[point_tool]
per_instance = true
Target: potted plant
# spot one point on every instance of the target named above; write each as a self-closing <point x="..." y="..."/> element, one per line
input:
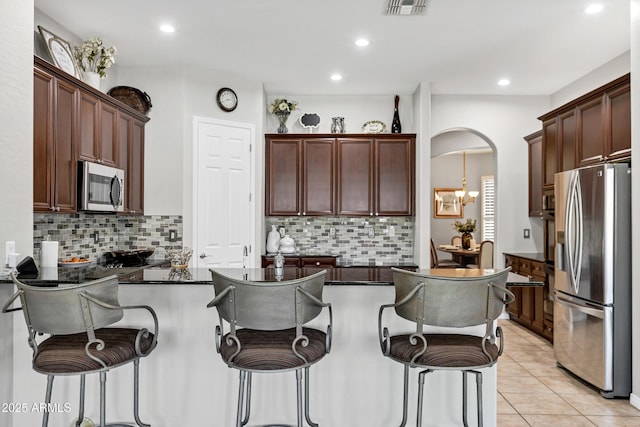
<point x="282" y="109"/>
<point x="93" y="59"/>
<point x="466" y="228"/>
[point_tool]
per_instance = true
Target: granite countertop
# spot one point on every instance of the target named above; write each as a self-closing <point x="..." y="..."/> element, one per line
<point x="158" y="274"/>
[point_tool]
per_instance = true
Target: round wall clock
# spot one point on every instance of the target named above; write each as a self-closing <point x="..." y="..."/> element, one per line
<point x="227" y="99"/>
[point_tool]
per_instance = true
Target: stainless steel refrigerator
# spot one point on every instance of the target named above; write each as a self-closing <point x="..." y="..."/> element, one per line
<point x="592" y="309"/>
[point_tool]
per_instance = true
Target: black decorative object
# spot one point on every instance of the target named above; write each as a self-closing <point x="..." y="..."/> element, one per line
<point x="27" y="268"/>
<point x="310" y="120"/>
<point x="396" y="127"/>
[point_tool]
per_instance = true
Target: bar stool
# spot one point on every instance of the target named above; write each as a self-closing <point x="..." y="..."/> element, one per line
<point x="76" y="316"/>
<point x="445" y="302"/>
<point x="267" y="332"/>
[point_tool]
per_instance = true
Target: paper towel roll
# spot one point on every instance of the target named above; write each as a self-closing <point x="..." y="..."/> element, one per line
<point x="49" y="254"/>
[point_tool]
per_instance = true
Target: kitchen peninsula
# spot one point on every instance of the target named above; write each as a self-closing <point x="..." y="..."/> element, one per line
<point x="186" y="364"/>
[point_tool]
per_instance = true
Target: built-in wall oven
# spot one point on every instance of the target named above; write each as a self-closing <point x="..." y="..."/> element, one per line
<point x="549" y="233"/>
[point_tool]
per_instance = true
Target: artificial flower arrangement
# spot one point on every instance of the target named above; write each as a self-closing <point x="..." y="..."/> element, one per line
<point x="469" y="226"/>
<point x="93" y="56"/>
<point x="282" y="106"/>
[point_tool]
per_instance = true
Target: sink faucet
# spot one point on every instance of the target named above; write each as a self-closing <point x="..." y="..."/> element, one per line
<point x="245" y="253"/>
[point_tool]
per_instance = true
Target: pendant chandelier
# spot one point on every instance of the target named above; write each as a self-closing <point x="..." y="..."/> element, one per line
<point x="462" y="194"/>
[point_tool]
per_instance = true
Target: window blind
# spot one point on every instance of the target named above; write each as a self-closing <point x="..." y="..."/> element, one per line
<point x="488" y="208"/>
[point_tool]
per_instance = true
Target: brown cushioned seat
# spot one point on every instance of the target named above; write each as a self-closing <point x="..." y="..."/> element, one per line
<point x="65" y="354"/>
<point x="72" y="324"/>
<point x="267" y="333"/>
<point x="444" y="350"/>
<point x="271" y="350"/>
<point x="461" y="301"/>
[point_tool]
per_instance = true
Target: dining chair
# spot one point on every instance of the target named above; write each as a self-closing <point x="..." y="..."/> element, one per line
<point x="438" y="263"/>
<point x="267" y="333"/>
<point x="447" y="302"/>
<point x="456" y="241"/>
<point x="76" y="320"/>
<point x="485" y="255"/>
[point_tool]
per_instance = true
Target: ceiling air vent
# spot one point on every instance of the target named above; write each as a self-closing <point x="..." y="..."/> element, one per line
<point x="406" y="7"/>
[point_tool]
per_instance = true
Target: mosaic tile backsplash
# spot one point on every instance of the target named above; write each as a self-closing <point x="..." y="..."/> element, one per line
<point x="357" y="240"/>
<point x="90" y="235"/>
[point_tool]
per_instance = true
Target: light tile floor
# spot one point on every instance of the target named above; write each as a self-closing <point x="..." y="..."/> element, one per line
<point x="533" y="391"/>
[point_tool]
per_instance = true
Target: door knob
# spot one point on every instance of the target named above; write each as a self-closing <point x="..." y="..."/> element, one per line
<point x="203" y="255"/>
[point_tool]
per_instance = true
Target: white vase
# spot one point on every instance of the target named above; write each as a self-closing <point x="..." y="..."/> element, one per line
<point x="273" y="240"/>
<point x="287" y="245"/>
<point x="91" y="78"/>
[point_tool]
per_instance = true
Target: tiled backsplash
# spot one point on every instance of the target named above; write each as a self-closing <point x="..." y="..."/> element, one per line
<point x="76" y="233"/>
<point x="352" y="240"/>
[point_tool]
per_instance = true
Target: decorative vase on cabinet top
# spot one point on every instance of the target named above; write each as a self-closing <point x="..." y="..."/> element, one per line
<point x="92" y="79"/>
<point x="282" y="120"/>
<point x="337" y="125"/>
<point x="287" y="245"/>
<point x="273" y="240"/>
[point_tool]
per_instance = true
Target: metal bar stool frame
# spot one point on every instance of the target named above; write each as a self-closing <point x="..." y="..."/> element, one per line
<point x="445" y="302"/>
<point x="73" y="310"/>
<point x="270" y="308"/>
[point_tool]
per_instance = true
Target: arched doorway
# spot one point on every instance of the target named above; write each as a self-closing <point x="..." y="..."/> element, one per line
<point x="447" y="148"/>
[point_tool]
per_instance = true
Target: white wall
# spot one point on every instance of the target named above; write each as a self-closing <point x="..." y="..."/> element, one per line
<point x="446" y="172"/>
<point x="356" y="110"/>
<point x="504" y="120"/>
<point x="16" y="155"/>
<point x="613" y="69"/>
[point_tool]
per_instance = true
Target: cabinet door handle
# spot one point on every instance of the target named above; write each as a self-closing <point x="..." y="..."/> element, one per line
<point x="317" y="262"/>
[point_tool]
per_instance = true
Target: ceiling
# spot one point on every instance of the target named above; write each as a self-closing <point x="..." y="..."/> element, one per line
<point x="293" y="46"/>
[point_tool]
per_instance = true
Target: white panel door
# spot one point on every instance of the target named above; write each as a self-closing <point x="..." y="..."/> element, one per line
<point x="223" y="223"/>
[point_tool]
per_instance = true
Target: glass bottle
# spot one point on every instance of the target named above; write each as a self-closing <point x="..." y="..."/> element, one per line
<point x="396" y="127"/>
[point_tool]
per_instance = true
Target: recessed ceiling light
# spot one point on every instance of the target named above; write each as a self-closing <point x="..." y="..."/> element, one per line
<point x="336" y="77"/>
<point x="504" y="82"/>
<point x="166" y="28"/>
<point x="594" y="8"/>
<point x="362" y="42"/>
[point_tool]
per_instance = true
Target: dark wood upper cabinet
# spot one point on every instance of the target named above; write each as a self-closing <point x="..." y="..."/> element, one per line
<point x="618" y="115"/>
<point x="43" y="166"/>
<point x="350" y="175"/>
<point x="593" y="128"/>
<point x="394" y="176"/>
<point x="591" y="131"/>
<point x="54" y="143"/>
<point x="135" y="183"/>
<point x="535" y="173"/>
<point x="283" y="164"/>
<point x="355" y="176"/>
<point x="73" y="121"/>
<point x="567" y="122"/>
<point x="64" y="143"/>
<point x="318" y="195"/>
<point x="108" y="135"/>
<point x="549" y="151"/>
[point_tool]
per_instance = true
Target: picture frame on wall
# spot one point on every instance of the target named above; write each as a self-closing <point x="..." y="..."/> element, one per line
<point x="61" y="52"/>
<point x="446" y="204"/>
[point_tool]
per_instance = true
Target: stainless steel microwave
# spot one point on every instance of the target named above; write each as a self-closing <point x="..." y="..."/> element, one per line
<point x="100" y="188"/>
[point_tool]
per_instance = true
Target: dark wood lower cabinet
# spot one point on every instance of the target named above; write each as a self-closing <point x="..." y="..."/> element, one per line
<point x="528" y="309"/>
<point x="301" y="261"/>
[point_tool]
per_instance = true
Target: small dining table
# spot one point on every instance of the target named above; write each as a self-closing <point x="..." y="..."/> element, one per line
<point x="461" y="256"/>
